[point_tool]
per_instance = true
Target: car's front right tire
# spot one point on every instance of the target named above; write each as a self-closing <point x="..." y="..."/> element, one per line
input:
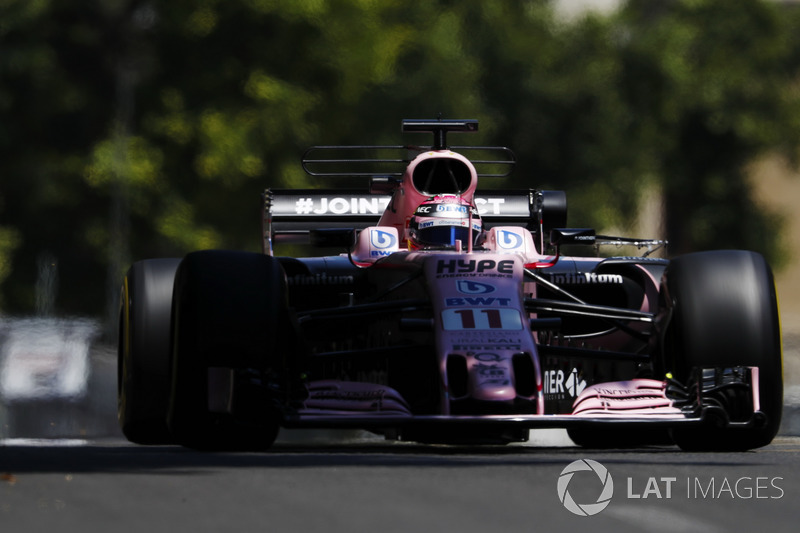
<point x="143" y="358"/>
<point x="229" y="312"/>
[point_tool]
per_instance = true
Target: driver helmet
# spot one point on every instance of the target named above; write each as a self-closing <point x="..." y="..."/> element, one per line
<point x="441" y="220"/>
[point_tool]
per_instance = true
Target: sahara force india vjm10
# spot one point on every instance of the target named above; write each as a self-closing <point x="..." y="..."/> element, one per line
<point x="442" y="314"/>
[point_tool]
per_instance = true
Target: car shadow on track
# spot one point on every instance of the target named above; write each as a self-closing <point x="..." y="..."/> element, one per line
<point x="117" y="457"/>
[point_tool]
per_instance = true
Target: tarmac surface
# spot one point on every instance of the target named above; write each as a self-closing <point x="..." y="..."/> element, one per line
<point x="65" y="467"/>
<point x="366" y="485"/>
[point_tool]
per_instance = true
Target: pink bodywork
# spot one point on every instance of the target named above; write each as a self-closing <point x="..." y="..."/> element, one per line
<point x="406" y="197"/>
<point x="637" y="396"/>
<point x="479" y="314"/>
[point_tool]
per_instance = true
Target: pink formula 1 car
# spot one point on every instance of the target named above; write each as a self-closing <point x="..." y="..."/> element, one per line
<point x="444" y="314"/>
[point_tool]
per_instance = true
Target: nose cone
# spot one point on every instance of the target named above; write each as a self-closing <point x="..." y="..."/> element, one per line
<point x="492" y="381"/>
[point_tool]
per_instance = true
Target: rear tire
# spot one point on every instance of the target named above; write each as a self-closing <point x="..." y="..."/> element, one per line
<point x="143" y="356"/>
<point x="723" y="312"/>
<point x="229" y="311"/>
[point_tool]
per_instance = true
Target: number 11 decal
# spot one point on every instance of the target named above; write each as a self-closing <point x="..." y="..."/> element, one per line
<point x="460" y="319"/>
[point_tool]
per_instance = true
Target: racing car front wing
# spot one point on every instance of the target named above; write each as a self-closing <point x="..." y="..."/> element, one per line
<point x="635" y="403"/>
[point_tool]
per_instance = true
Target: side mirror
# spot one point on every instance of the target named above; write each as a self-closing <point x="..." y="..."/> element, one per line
<point x="551" y="209"/>
<point x="561" y="236"/>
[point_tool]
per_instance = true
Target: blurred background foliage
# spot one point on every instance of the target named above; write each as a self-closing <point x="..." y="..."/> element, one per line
<point x="145" y="128"/>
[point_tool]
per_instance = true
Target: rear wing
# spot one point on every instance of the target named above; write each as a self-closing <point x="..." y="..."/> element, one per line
<point x="391" y="161"/>
<point x="290" y="214"/>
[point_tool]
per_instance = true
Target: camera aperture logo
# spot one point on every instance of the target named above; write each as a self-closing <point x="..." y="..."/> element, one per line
<point x="585" y="509"/>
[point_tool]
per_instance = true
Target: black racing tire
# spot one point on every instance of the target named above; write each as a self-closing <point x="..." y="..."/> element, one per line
<point x="723" y="312"/>
<point x="229" y="310"/>
<point x="143" y="355"/>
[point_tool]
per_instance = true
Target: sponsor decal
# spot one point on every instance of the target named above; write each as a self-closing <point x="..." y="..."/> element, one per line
<point x="469" y="266"/>
<point x="574" y="384"/>
<point x="451" y="208"/>
<point x="367" y="205"/>
<point x="495" y="375"/>
<point x="319" y="279"/>
<point x="481" y="319"/>
<point x="476" y="300"/>
<point x="465" y="286"/>
<point x="487" y="336"/>
<point x="382" y="239"/>
<point x="489" y="206"/>
<point x="584" y="278"/>
<point x="620" y="392"/>
<point x="490" y="371"/>
<point x="472" y="347"/>
<point x="445" y="222"/>
<point x="508" y="240"/>
<point x="487" y="356"/>
<point x="638" y="259"/>
<point x="557" y="385"/>
<point x="444" y="210"/>
<point x="482" y="342"/>
<point x="353" y="396"/>
<point x="340" y="206"/>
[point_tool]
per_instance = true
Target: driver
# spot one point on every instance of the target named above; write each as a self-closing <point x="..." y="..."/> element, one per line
<point x="441" y="220"/>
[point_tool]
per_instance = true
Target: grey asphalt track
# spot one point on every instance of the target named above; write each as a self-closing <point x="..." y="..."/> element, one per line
<point x="94" y="481"/>
<point x="368" y="485"/>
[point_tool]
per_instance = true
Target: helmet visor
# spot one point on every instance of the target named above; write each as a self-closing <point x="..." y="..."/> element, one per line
<point x="444" y="234"/>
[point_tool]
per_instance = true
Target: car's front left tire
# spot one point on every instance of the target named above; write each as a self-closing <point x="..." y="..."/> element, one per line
<point x="720" y="310"/>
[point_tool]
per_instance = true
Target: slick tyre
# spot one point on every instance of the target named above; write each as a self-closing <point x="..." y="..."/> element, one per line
<point x="143" y="355"/>
<point x="723" y="312"/>
<point x="230" y="312"/>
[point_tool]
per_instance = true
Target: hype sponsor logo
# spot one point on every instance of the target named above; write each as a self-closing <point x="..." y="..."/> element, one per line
<point x="471" y="266"/>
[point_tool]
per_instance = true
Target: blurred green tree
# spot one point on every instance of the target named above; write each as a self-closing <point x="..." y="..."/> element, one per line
<point x="713" y="85"/>
<point x="141" y="128"/>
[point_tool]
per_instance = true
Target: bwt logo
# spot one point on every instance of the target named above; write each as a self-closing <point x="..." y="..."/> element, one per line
<point x="508" y="240"/>
<point x="382" y="239"/>
<point x="473" y="287"/>
<point x="449" y="208"/>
